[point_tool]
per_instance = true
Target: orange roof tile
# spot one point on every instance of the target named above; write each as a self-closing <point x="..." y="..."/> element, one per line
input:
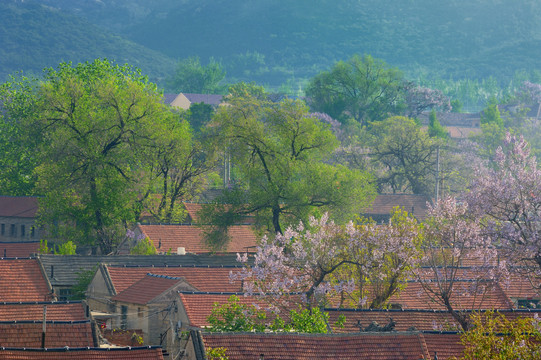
<point x="22" y="280"/>
<point x="199" y="305"/>
<point x="18" y="206"/>
<point x="373" y="346"/>
<point x="18" y="249"/>
<point x="405" y="320"/>
<point x="202" y="278"/>
<point x="519" y="287"/>
<point x="58" y="334"/>
<point x="414" y="296"/>
<point x="444" y="345"/>
<point x="147" y="289"/>
<point x="56" y="311"/>
<point x="137" y="353"/>
<point x="193" y="210"/>
<point x="190" y="237"/>
<point x="121" y="337"/>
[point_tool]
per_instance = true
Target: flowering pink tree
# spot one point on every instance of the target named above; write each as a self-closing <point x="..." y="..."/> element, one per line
<point x="508" y="197"/>
<point x="361" y="261"/>
<point x="460" y="263"/>
<point x="419" y="99"/>
<point x="530" y="93"/>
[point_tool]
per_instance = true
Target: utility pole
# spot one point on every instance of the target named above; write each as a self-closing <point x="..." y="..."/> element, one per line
<point x="437" y="174"/>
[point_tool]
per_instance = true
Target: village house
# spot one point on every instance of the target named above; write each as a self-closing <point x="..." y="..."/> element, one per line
<point x="18" y="219"/>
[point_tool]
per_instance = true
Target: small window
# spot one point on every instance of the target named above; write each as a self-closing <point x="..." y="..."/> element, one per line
<point x="32" y="231"/>
<point x="3" y="229"/>
<point x="23" y="231"/>
<point x="140" y="312"/>
<point x="64" y="294"/>
<point x="13" y="230"/>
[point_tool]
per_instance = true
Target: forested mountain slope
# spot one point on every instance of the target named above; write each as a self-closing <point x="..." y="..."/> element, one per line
<point x="33" y="36"/>
<point x="271" y="41"/>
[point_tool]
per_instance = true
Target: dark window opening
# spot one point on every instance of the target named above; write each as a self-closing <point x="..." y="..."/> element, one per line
<point x="13" y="230"/>
<point x="3" y="229"/>
<point x="23" y="231"/>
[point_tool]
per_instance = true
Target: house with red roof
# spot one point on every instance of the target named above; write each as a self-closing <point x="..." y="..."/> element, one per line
<point x="83" y="353"/>
<point x="29" y="334"/>
<point x="18" y="219"/>
<point x="24" y="280"/>
<point x="181" y="239"/>
<point x="369" y="346"/>
<point x="19" y="249"/>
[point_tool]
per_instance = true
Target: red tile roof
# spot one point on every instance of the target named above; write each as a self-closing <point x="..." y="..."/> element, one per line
<point x="414" y="296"/>
<point x="147" y="289"/>
<point x="18" y="206"/>
<point x="58" y="334"/>
<point x="193" y="210"/>
<point x="190" y="237"/>
<point x="56" y="311"/>
<point x="415" y="205"/>
<point x="18" y="249"/>
<point x="444" y="345"/>
<point x="373" y="346"/>
<point x="138" y="353"/>
<point x="199" y="305"/>
<point x="22" y="280"/>
<point x="405" y="320"/>
<point x="520" y="287"/>
<point x="202" y="278"/>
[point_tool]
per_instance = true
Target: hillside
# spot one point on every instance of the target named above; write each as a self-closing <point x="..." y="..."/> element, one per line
<point x="274" y="41"/>
<point x="34" y="36"/>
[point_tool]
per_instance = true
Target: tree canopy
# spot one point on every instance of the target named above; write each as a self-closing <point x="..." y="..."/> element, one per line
<point x="278" y="154"/>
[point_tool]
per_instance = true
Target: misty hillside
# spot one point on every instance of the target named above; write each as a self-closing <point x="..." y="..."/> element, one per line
<point x="271" y="41"/>
<point x="34" y="36"/>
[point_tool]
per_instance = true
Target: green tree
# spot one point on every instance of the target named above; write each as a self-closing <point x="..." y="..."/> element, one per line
<point x="435" y="129"/>
<point x="493" y="336"/>
<point x="18" y="153"/>
<point x="95" y="121"/>
<point x="279" y="153"/>
<point x="144" y="247"/>
<point x="404" y="154"/>
<point x="362" y="88"/>
<point x="236" y="316"/>
<point x="193" y="77"/>
<point x="491" y="114"/>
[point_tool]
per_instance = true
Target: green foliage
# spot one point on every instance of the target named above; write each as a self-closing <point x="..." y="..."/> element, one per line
<point x="435" y="129"/>
<point x="34" y="36"/>
<point x="403" y="155"/>
<point x="43" y="248"/>
<point x="84" y="278"/>
<point x="144" y="247"/>
<point x="363" y="88"/>
<point x="279" y="154"/>
<point x="491" y="114"/>
<point x="309" y="321"/>
<point x="236" y="316"/>
<point x="192" y="77"/>
<point x="17" y="150"/>
<point x="493" y="336"/>
<point x="456" y="106"/>
<point x="67" y="248"/>
<point x="217" y="353"/>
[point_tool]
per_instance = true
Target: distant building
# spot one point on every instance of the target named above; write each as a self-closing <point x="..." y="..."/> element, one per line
<point x="184" y="100"/>
<point x="18" y="219"/>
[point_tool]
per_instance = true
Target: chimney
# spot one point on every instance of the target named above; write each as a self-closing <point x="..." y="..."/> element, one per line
<point x="52" y="271"/>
